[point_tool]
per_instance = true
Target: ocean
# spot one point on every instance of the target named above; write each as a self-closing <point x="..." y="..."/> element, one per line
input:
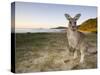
<point x="30" y="30"/>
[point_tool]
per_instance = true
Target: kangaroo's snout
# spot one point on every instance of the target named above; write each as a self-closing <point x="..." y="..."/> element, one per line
<point x="73" y="26"/>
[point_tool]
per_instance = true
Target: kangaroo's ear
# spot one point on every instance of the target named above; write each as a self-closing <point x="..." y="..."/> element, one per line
<point x="77" y="16"/>
<point x="67" y="16"/>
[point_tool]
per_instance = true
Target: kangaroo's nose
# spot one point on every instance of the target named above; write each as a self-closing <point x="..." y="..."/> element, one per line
<point x="73" y="26"/>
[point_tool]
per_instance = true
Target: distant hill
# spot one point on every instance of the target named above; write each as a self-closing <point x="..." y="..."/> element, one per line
<point x="60" y="27"/>
<point x="89" y="25"/>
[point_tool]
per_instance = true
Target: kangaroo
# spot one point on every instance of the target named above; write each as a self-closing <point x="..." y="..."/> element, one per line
<point x="76" y="39"/>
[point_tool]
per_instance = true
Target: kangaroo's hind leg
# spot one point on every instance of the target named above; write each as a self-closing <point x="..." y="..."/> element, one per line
<point x="82" y="51"/>
<point x="75" y="54"/>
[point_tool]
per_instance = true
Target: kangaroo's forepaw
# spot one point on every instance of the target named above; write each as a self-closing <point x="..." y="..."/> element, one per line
<point x="81" y="61"/>
<point x="75" y="57"/>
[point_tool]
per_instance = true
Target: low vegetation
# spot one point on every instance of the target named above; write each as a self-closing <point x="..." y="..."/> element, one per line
<point x="37" y="52"/>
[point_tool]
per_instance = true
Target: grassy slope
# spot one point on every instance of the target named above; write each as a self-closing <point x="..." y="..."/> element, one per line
<point x="89" y="25"/>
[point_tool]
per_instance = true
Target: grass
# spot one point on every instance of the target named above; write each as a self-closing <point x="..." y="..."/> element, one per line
<point x="46" y="52"/>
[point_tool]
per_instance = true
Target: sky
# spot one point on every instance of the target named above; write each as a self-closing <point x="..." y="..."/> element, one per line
<point x="41" y="15"/>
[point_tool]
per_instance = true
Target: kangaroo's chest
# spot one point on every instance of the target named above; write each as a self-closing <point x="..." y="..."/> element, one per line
<point x="72" y="38"/>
